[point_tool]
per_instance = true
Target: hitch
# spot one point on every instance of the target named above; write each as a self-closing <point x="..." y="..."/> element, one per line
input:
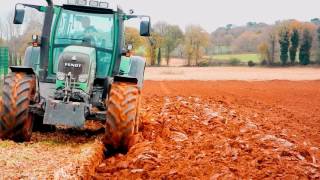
<point x="68" y="87"/>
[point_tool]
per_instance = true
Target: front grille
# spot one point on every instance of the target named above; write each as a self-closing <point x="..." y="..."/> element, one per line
<point x="75" y="85"/>
<point x="76" y="63"/>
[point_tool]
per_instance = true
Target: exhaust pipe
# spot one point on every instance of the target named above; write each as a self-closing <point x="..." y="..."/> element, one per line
<point x="49" y="2"/>
<point x="44" y="50"/>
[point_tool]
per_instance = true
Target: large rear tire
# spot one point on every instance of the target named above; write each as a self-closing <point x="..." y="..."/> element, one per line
<point x="121" y="116"/>
<point x="15" y="119"/>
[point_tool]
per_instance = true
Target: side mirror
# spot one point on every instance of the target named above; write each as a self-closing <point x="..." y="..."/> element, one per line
<point x="145" y="28"/>
<point x="18" y="16"/>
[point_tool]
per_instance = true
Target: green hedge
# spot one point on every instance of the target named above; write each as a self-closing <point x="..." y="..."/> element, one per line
<point x="4" y="59"/>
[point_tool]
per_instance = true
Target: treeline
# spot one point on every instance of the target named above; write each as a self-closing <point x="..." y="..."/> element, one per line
<point x="283" y="43"/>
<point x="296" y="42"/>
<point x="168" y="40"/>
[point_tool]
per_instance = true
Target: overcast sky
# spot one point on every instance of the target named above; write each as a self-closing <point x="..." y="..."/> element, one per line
<point x="211" y="14"/>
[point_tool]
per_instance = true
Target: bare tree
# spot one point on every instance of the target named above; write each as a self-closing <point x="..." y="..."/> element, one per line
<point x="2" y="28"/>
<point x="272" y="42"/>
<point x="196" y="39"/>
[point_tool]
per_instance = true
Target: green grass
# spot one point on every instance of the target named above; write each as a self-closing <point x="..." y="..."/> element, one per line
<point x="222" y="49"/>
<point x="242" y="57"/>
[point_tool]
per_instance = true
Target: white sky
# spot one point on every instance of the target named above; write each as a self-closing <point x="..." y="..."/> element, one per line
<point x="211" y="14"/>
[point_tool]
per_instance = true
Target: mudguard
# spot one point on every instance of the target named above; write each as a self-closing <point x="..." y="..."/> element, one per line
<point x="137" y="69"/>
<point x="132" y="67"/>
<point x="70" y="114"/>
<point x="127" y="79"/>
<point x="23" y="69"/>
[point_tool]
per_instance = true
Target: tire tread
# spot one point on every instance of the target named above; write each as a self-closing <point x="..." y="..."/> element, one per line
<point x="121" y="116"/>
<point x="15" y="119"/>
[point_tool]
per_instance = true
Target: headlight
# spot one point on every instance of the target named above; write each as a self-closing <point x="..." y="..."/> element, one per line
<point x="83" y="78"/>
<point x="61" y="76"/>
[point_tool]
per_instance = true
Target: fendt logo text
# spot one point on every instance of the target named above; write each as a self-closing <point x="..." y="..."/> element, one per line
<point x="72" y="65"/>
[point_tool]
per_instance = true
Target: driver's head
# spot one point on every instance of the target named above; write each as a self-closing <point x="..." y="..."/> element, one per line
<point x="85" y="22"/>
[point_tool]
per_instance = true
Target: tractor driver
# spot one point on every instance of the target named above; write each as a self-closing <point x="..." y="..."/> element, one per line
<point x="86" y="25"/>
<point x="88" y="31"/>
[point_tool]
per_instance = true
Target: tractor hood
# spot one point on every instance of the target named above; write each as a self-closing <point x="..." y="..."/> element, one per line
<point x="80" y="63"/>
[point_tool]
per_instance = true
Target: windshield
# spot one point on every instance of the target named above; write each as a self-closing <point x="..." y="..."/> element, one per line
<point x="83" y="28"/>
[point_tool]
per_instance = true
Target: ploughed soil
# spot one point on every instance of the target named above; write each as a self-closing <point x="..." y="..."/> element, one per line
<point x="192" y="130"/>
<point x="224" y="130"/>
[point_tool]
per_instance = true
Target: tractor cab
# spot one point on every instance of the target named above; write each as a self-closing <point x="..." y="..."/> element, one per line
<point x="93" y="32"/>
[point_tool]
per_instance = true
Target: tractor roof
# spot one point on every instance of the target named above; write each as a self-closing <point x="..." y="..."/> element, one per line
<point x="96" y="8"/>
<point x="88" y="9"/>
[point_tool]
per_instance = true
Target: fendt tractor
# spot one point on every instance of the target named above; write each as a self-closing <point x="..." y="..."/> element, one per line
<point x="79" y="69"/>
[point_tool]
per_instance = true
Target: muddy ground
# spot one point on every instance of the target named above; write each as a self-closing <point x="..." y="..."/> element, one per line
<point x="193" y="130"/>
<point x="224" y="130"/>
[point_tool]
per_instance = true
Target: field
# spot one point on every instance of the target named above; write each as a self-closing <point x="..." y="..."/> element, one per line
<point x="198" y="123"/>
<point x="231" y="73"/>
<point x="242" y="57"/>
<point x="224" y="130"/>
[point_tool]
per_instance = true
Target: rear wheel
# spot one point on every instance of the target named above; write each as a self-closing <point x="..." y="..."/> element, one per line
<point x="121" y="116"/>
<point x="138" y="120"/>
<point x="15" y="119"/>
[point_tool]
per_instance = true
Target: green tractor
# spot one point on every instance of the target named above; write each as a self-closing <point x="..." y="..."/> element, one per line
<point x="79" y="69"/>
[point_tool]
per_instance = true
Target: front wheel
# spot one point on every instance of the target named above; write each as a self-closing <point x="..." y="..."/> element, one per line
<point x="121" y="116"/>
<point x="15" y="119"/>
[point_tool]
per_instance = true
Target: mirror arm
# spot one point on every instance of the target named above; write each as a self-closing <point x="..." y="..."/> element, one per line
<point x="127" y="17"/>
<point x="31" y="6"/>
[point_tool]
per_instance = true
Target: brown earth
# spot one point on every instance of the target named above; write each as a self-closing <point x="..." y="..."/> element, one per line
<point x="254" y="128"/>
<point x="224" y="130"/>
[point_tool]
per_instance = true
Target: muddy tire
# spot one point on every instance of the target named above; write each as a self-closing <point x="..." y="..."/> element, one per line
<point x="15" y="119"/>
<point x="138" y="119"/>
<point x="121" y="116"/>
